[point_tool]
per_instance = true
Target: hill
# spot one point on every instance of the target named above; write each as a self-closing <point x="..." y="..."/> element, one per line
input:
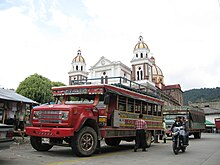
<point x="201" y="95"/>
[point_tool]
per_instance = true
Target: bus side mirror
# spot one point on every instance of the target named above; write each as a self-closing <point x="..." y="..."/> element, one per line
<point x="106" y="99"/>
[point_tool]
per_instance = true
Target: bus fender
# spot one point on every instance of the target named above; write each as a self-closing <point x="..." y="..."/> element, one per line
<point x="91" y="123"/>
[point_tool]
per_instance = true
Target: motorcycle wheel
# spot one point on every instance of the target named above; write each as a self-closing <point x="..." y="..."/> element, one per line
<point x="175" y="149"/>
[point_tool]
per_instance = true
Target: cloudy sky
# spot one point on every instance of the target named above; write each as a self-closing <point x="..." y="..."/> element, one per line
<point x="43" y="36"/>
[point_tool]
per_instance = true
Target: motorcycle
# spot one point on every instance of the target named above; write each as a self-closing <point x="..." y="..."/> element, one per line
<point x="178" y="136"/>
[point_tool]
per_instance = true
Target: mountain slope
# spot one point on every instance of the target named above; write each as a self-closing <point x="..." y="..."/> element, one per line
<point x="201" y="95"/>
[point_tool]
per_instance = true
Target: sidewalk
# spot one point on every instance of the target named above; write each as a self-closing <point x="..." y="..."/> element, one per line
<point x="18" y="140"/>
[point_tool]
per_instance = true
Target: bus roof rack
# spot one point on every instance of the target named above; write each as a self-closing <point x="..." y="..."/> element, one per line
<point x="122" y="82"/>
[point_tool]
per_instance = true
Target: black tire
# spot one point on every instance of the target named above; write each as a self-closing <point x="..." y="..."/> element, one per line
<point x="165" y="140"/>
<point x="175" y="149"/>
<point x="148" y="138"/>
<point x="197" y="135"/>
<point x="112" y="141"/>
<point x="84" y="143"/>
<point x="183" y="149"/>
<point x="37" y="144"/>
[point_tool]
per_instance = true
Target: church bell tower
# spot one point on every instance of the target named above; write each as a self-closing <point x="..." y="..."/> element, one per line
<point x="78" y="69"/>
<point x="141" y="64"/>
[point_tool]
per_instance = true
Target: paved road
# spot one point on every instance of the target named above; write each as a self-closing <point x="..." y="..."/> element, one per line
<point x="205" y="151"/>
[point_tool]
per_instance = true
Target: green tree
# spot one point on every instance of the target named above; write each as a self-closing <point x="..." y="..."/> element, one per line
<point x="37" y="88"/>
<point x="57" y="84"/>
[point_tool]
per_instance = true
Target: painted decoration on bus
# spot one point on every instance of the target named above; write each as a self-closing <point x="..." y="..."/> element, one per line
<point x="95" y="91"/>
<point x="78" y="91"/>
<point x="127" y="120"/>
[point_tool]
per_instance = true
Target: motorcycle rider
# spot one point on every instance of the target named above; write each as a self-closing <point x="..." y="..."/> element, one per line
<point x="177" y="123"/>
<point x="178" y="135"/>
<point x="186" y="134"/>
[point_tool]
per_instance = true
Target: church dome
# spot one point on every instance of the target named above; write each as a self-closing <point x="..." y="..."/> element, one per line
<point x="79" y="57"/>
<point x="156" y="69"/>
<point x="158" y="77"/>
<point x="141" y="44"/>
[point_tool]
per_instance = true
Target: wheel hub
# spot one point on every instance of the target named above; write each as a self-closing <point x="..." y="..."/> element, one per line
<point x="87" y="142"/>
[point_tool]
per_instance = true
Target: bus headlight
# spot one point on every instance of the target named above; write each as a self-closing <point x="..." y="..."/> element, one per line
<point x="36" y="115"/>
<point x="65" y="115"/>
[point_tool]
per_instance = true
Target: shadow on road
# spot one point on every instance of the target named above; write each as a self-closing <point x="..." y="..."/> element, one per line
<point x="67" y="151"/>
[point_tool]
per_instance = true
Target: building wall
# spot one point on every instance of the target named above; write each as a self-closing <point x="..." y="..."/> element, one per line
<point x="213" y="104"/>
<point x="175" y="93"/>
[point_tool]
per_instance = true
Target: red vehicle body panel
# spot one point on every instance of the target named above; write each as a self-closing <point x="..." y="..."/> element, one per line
<point x="217" y="123"/>
<point x="50" y="132"/>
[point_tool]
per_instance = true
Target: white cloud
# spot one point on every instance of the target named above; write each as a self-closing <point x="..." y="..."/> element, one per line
<point x="182" y="35"/>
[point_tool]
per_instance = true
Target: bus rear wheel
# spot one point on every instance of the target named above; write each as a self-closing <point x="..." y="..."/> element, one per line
<point x="148" y="138"/>
<point x="84" y="143"/>
<point x="37" y="144"/>
<point x="112" y="141"/>
<point x="197" y="135"/>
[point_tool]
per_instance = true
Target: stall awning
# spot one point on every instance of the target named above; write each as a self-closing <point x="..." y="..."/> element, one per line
<point x="11" y="95"/>
<point x="209" y="123"/>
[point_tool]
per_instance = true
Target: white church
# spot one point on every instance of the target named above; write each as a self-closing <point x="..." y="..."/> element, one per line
<point x="143" y="71"/>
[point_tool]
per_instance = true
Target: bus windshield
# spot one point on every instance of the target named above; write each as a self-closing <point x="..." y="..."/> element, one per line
<point x="173" y="116"/>
<point x="80" y="99"/>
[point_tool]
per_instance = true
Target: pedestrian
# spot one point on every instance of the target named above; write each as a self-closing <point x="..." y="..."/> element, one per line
<point x="140" y="126"/>
<point x="164" y="132"/>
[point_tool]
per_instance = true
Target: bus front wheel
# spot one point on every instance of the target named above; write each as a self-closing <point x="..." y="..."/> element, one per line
<point x="84" y="143"/>
<point x="37" y="144"/>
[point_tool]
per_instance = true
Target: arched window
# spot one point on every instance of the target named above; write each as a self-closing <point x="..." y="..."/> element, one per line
<point x="137" y="55"/>
<point x="77" y="67"/>
<point x="139" y="74"/>
<point x="81" y="67"/>
<point x="141" y="55"/>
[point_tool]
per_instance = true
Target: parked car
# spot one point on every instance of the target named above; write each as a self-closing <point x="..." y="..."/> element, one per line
<point x="6" y="136"/>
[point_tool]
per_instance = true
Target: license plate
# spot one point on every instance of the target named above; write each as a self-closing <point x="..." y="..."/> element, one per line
<point x="45" y="140"/>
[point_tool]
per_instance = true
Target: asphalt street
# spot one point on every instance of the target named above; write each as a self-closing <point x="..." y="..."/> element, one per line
<point x="205" y="151"/>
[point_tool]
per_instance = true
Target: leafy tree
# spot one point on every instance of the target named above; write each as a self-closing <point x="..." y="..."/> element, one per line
<point x="57" y="84"/>
<point x="38" y="88"/>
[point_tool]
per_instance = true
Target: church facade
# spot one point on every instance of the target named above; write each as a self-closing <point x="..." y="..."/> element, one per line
<point x="143" y="71"/>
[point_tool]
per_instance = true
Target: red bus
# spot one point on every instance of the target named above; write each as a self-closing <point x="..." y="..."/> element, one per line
<point x="87" y="113"/>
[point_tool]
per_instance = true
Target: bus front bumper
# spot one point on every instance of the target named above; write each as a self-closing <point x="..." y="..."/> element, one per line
<point x="50" y="132"/>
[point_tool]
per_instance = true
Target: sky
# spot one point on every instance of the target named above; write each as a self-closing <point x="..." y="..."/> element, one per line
<point x="43" y="36"/>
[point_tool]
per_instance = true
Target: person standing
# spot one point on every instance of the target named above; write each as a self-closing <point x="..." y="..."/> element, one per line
<point x="140" y="126"/>
<point x="164" y="132"/>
